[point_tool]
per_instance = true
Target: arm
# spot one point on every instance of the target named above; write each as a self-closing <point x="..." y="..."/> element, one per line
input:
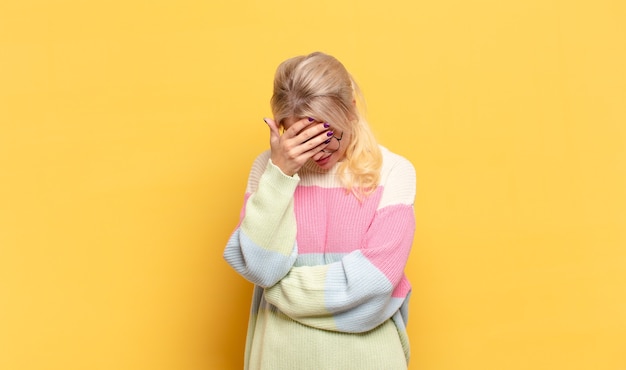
<point x="263" y="246"/>
<point x="367" y="286"/>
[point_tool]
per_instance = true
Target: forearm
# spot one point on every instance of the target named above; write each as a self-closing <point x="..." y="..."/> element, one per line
<point x="263" y="247"/>
<point x="358" y="292"/>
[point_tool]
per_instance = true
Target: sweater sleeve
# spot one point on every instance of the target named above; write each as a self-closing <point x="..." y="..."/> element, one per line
<point x="263" y="246"/>
<point x="367" y="286"/>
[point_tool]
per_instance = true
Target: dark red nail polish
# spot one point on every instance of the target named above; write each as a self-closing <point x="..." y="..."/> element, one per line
<point x="311" y="119"/>
<point x="329" y="133"/>
<point x="326" y="125"/>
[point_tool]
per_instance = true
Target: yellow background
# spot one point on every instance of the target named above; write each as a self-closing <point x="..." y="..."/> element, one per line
<point x="127" y="129"/>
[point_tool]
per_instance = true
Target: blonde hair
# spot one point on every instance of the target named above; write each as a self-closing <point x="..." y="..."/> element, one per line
<point x="318" y="85"/>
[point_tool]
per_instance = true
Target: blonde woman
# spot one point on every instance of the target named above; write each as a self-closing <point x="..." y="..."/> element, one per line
<point x="325" y="231"/>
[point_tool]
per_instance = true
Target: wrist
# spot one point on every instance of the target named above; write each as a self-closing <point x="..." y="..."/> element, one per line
<point x="284" y="169"/>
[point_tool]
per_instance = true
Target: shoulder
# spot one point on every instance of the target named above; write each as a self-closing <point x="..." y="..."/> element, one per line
<point x="262" y="159"/>
<point x="395" y="163"/>
<point x="258" y="168"/>
<point x="397" y="179"/>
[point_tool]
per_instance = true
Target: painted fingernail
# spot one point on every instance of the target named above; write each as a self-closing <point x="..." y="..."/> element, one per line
<point x="329" y="133"/>
<point x="327" y="141"/>
<point x="326" y="125"/>
<point x="311" y="119"/>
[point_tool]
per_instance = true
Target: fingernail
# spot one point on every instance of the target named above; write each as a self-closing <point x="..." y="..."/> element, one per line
<point x="329" y="133"/>
<point x="326" y="125"/>
<point x="327" y="141"/>
<point x="265" y="120"/>
<point x="311" y="119"/>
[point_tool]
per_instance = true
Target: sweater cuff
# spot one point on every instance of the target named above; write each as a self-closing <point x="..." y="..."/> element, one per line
<point x="279" y="181"/>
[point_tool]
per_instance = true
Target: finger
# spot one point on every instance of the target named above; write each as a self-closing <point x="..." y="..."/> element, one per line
<point x="274" y="131"/>
<point x="318" y="142"/>
<point x="300" y="125"/>
<point x="315" y="134"/>
<point x="308" y="141"/>
<point x="319" y="154"/>
<point x="311" y="131"/>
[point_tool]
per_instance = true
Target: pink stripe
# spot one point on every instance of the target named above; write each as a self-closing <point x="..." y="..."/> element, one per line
<point x="389" y="240"/>
<point x="402" y="289"/>
<point x="332" y="221"/>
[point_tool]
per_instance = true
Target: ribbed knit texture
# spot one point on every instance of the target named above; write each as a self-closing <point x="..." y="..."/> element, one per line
<point x="330" y="290"/>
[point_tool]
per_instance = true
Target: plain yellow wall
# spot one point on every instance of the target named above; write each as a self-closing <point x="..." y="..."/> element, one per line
<point x="127" y="129"/>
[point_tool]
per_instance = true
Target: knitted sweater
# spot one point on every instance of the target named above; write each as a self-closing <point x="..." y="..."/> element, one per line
<point x="330" y="290"/>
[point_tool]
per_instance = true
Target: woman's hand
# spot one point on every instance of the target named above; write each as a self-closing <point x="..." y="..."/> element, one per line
<point x="300" y="141"/>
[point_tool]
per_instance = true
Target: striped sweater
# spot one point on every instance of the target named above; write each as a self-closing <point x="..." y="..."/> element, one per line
<point x="330" y="290"/>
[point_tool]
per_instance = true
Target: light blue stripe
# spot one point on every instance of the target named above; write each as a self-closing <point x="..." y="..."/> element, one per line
<point x="359" y="293"/>
<point x="260" y="266"/>
<point x="365" y="317"/>
<point x="316" y="259"/>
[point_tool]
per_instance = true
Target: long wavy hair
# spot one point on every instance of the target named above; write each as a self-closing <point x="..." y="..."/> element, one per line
<point x="318" y="85"/>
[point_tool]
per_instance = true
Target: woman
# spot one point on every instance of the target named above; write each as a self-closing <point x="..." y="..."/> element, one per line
<point x="325" y="231"/>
